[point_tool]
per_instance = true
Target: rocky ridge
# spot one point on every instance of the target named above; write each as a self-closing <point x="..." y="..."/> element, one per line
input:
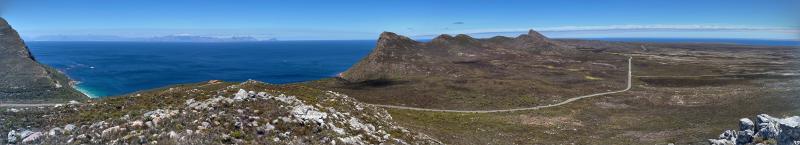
<point x="217" y="113"/>
<point x="23" y="80"/>
<point x="396" y="56"/>
<point x="508" y="72"/>
<point x="765" y="130"/>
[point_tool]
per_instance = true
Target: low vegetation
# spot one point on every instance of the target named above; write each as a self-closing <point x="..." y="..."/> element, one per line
<point x="211" y="113"/>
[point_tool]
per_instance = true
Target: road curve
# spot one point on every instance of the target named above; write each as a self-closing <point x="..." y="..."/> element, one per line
<point x="630" y="75"/>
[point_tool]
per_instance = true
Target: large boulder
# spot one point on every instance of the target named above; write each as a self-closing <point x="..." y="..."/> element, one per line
<point x="746" y="124"/>
<point x="785" y="131"/>
<point x="789" y="131"/>
<point x="767" y="126"/>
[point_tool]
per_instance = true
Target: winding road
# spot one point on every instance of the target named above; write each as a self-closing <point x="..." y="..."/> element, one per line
<point x="630" y="75"/>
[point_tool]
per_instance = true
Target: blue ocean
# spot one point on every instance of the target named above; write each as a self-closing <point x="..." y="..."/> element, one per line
<point x="118" y="68"/>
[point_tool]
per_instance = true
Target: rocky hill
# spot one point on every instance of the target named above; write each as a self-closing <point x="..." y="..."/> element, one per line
<point x="396" y="57"/>
<point x="499" y="72"/>
<point x="23" y="80"/>
<point x="211" y="113"/>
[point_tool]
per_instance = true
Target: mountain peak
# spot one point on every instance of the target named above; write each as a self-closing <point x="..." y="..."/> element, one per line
<point x="463" y="36"/>
<point x="3" y="22"/>
<point x="390" y="40"/>
<point x="442" y="38"/>
<point x="391" y="36"/>
<point x="533" y="33"/>
<point x="533" y="37"/>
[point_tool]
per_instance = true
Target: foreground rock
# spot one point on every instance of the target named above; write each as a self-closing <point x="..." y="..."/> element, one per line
<point x="218" y="113"/>
<point x="23" y="80"/>
<point x="765" y="130"/>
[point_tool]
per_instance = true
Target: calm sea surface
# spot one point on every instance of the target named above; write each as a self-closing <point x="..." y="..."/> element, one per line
<point x="117" y="68"/>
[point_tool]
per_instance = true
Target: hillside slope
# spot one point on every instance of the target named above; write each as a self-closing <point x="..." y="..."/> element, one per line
<point x="211" y="113"/>
<point x="461" y="72"/>
<point x="23" y="80"/>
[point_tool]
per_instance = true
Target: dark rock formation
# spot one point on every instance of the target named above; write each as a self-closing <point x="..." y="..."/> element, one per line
<point x="23" y="80"/>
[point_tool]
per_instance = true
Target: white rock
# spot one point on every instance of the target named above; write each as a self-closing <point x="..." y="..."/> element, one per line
<point x="766" y="126"/>
<point x="25" y="134"/>
<point x="241" y="95"/>
<point x="172" y="134"/>
<point x="12" y="110"/>
<point x="785" y="131"/>
<point x="189" y="102"/>
<point x="746" y="124"/>
<point x="789" y="131"/>
<point x="720" y="142"/>
<point x="55" y="131"/>
<point x="269" y="127"/>
<point x="338" y="130"/>
<point x="69" y="127"/>
<point x="98" y="124"/>
<point x="157" y="115"/>
<point x="137" y="123"/>
<point x="111" y="130"/>
<point x="309" y="113"/>
<point x="12" y="136"/>
<point x="357" y="125"/>
<point x="73" y="102"/>
<point x="32" y="137"/>
<point x="208" y="104"/>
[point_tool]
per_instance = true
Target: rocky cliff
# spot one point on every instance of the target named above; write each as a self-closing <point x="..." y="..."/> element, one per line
<point x="23" y="80"/>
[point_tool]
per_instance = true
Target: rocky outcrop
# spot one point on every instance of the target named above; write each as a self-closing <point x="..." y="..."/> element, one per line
<point x="221" y="113"/>
<point x="23" y="80"/>
<point x="765" y="130"/>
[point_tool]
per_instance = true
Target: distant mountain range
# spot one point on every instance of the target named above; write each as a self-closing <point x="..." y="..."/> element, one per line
<point x="167" y="38"/>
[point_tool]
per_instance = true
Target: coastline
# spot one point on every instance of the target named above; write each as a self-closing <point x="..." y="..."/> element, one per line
<point x="84" y="91"/>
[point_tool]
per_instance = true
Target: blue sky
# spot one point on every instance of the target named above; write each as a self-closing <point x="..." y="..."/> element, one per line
<point x="334" y="20"/>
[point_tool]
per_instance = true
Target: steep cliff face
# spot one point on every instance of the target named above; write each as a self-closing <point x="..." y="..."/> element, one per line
<point x="22" y="79"/>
